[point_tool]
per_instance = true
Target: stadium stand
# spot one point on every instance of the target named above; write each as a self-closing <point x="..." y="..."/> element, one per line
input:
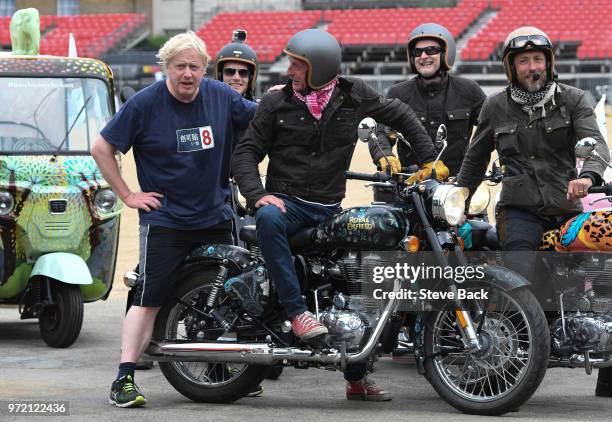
<point x="586" y="25"/>
<point x="95" y="34"/>
<point x="393" y="26"/>
<point x="268" y="32"/>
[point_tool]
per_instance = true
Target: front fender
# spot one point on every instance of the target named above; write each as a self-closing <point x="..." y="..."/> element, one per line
<point x="498" y="276"/>
<point x="64" y="267"/>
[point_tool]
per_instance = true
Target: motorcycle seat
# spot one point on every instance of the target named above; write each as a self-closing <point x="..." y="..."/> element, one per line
<point x="297" y="242"/>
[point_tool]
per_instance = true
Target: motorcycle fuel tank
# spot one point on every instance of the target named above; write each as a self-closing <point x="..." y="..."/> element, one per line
<point x="363" y="228"/>
<point x="589" y="231"/>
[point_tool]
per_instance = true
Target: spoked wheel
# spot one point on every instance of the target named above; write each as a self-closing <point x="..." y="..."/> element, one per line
<point x="508" y="368"/>
<point x="201" y="381"/>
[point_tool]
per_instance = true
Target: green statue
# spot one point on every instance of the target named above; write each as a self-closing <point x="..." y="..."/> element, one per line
<point x="25" y="32"/>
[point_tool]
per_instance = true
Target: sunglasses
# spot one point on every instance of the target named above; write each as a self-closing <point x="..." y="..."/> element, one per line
<point x="534" y="40"/>
<point x="430" y="50"/>
<point x="230" y="71"/>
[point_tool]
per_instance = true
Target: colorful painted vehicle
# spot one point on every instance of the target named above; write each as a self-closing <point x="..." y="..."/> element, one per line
<point x="59" y="219"/>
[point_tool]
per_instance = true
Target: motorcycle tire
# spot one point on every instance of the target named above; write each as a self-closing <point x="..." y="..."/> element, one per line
<point x="487" y="396"/>
<point x="60" y="323"/>
<point x="179" y="374"/>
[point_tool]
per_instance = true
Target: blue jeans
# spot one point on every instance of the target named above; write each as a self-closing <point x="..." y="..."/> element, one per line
<point x="273" y="230"/>
<point x="520" y="232"/>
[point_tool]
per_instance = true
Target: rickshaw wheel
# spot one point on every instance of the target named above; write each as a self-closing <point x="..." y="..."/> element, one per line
<point x="60" y="323"/>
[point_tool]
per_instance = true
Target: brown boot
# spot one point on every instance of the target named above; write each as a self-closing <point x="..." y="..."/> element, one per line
<point x="366" y="390"/>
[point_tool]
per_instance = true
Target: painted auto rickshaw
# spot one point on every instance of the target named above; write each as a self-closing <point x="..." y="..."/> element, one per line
<point x="59" y="219"/>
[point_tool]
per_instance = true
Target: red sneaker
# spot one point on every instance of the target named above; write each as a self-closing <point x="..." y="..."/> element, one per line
<point x="366" y="390"/>
<point x="305" y="326"/>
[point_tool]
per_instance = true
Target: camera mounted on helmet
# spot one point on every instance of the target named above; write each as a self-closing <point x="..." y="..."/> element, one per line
<point x="238" y="51"/>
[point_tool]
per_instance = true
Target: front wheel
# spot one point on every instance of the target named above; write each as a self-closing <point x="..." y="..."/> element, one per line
<point x="207" y="382"/>
<point x="60" y="322"/>
<point x="511" y="364"/>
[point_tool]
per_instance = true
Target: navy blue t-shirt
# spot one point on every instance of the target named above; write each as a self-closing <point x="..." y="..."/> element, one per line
<point x="182" y="150"/>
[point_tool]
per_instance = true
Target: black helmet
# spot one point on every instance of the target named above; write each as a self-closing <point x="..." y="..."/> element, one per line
<point x="321" y="51"/>
<point x="433" y="31"/>
<point x="238" y="51"/>
<point x="527" y="38"/>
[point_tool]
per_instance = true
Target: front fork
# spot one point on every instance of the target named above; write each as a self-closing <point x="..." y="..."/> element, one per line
<point x="466" y="326"/>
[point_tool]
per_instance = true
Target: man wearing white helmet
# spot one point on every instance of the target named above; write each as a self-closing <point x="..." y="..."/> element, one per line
<point x="534" y="125"/>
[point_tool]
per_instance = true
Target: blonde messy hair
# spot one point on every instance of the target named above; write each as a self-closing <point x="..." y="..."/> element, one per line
<point x="178" y="43"/>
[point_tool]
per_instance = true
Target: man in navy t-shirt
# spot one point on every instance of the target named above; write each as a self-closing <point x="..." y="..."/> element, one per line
<point x="181" y="132"/>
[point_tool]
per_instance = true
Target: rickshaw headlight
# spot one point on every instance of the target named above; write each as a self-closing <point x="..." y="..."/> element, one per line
<point x="448" y="203"/>
<point x="7" y="202"/>
<point x="480" y="200"/>
<point x="105" y="200"/>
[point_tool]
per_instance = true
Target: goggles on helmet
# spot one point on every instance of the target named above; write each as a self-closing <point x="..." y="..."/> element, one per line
<point x="522" y="40"/>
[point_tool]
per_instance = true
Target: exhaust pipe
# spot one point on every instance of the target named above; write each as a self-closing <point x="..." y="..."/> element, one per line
<point x="262" y="353"/>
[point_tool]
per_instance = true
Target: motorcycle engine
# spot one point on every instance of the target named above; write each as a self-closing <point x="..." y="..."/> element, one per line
<point x="588" y="325"/>
<point x="345" y="323"/>
<point x="583" y="332"/>
<point x="354" y="313"/>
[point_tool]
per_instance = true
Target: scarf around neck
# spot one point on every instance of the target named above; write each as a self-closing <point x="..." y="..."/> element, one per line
<point x="530" y="101"/>
<point x="316" y="101"/>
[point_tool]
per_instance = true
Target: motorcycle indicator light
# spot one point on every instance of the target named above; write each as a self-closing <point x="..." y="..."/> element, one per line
<point x="411" y="244"/>
<point x="7" y="203"/>
<point x="461" y="243"/>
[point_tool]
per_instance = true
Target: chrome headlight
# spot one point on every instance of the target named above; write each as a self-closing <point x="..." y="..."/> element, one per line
<point x="7" y="202"/>
<point x="448" y="203"/>
<point x="105" y="200"/>
<point x="480" y="200"/>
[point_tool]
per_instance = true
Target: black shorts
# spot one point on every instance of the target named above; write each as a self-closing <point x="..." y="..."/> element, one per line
<point x="162" y="252"/>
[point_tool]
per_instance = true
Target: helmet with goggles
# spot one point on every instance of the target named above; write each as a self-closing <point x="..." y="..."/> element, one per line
<point x="527" y="38"/>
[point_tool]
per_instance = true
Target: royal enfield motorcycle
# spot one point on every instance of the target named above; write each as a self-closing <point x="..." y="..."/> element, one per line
<point x="484" y="352"/>
<point x="575" y="280"/>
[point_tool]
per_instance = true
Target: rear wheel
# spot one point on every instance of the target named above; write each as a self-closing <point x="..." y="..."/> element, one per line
<point x="60" y="323"/>
<point x="208" y="382"/>
<point x="511" y="364"/>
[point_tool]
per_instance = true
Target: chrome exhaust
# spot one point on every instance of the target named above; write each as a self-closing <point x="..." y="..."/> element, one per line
<point x="263" y="353"/>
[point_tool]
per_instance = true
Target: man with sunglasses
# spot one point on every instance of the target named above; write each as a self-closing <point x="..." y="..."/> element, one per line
<point x="237" y="65"/>
<point x="435" y="96"/>
<point x="534" y="125"/>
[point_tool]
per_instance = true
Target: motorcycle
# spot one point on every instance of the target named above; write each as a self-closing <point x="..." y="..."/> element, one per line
<point x="577" y="286"/>
<point x="224" y="325"/>
<point x="578" y="258"/>
<point x="59" y="219"/>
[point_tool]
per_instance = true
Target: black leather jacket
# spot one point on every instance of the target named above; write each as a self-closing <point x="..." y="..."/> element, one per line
<point x="454" y="101"/>
<point x="308" y="157"/>
<point x="537" y="152"/>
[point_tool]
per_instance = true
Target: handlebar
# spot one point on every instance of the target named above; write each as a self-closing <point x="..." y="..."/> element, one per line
<point x="375" y="177"/>
<point x="605" y="189"/>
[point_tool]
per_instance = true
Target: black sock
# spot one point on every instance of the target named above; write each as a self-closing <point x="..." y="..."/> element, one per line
<point x="126" y="368"/>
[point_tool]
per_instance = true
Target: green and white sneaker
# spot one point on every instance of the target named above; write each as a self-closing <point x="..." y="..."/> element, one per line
<point x="125" y="393"/>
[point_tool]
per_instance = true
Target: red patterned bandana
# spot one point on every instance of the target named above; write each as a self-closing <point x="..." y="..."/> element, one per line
<point x="316" y="101"/>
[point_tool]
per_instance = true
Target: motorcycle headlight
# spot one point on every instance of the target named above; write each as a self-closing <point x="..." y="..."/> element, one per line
<point x="448" y="203"/>
<point x="105" y="200"/>
<point x="480" y="200"/>
<point x="7" y="203"/>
